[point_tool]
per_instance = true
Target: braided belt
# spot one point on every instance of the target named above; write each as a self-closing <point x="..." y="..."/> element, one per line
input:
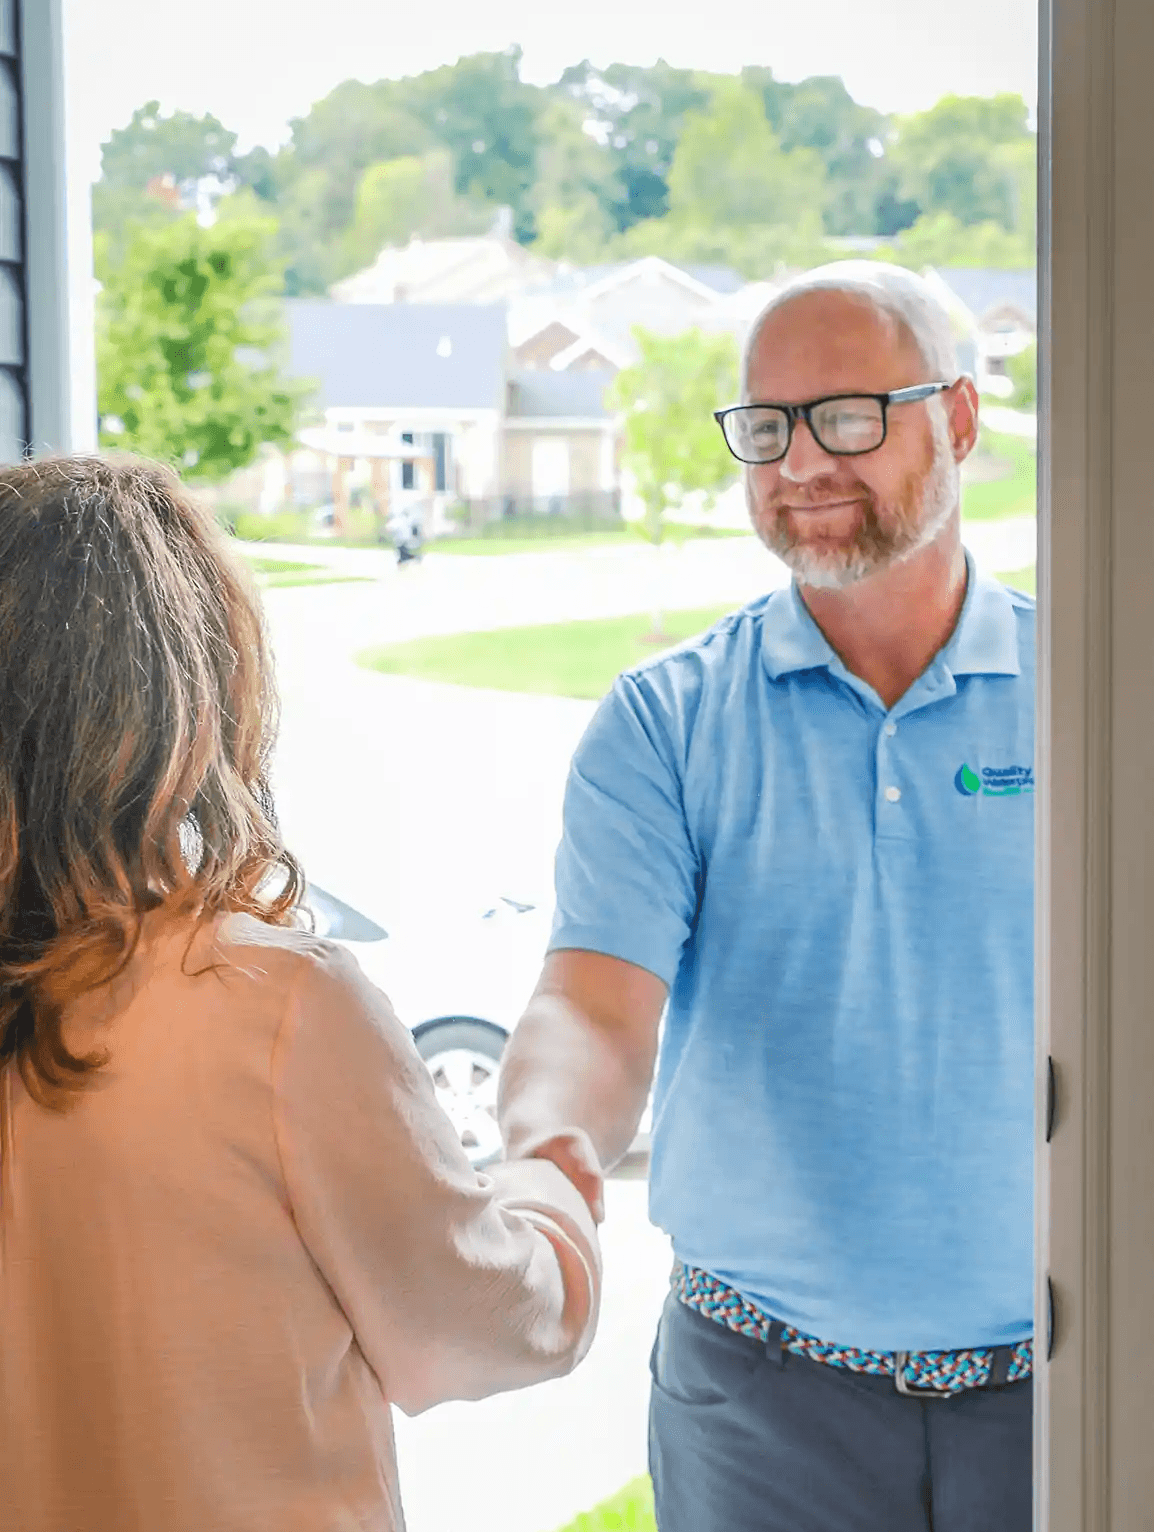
<point x="932" y="1374"/>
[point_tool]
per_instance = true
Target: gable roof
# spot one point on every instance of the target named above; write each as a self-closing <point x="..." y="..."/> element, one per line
<point x="559" y="395"/>
<point x="399" y="355"/>
<point x="983" y="290"/>
<point x="458" y="269"/>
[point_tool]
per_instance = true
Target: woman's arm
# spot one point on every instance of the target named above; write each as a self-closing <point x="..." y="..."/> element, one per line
<point x="457" y="1284"/>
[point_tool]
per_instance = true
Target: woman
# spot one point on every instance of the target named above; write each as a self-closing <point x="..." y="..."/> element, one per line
<point x="234" y="1224"/>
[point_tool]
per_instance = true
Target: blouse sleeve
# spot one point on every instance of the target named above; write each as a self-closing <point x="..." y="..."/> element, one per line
<point x="457" y="1284"/>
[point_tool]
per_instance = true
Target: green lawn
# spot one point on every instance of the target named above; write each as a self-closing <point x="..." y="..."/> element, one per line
<point x="1021" y="579"/>
<point x="566" y="659"/>
<point x="1015" y="494"/>
<point x="282" y="572"/>
<point x="630" y="1510"/>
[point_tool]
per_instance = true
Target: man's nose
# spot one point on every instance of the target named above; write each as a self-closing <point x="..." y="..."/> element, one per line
<point x="806" y="458"/>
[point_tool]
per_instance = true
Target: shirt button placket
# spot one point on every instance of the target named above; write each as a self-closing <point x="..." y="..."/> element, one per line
<point x="891" y="793"/>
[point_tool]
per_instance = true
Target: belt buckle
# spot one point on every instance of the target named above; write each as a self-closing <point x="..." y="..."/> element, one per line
<point x="900" y="1360"/>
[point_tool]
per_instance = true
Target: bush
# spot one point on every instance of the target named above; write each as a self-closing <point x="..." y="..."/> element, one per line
<point x="1022" y="370"/>
<point x="277" y="527"/>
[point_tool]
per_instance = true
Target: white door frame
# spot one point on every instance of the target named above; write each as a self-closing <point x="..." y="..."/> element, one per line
<point x="1095" y="1232"/>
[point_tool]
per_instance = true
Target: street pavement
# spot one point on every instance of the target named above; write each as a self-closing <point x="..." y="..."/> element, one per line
<point x="406" y="797"/>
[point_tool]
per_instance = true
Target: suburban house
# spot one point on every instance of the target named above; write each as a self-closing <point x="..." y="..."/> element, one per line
<point x="467" y="377"/>
<point x="421" y="405"/>
<point x="584" y="318"/>
<point x="489" y="268"/>
<point x="560" y="316"/>
<point x="995" y="316"/>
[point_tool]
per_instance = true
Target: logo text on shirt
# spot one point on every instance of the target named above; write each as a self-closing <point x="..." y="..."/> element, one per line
<point x="994" y="781"/>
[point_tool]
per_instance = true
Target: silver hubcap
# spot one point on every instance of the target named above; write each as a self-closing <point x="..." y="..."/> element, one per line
<point x="466" y="1086"/>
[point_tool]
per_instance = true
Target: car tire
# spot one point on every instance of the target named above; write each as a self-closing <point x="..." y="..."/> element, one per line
<point x="463" y="1055"/>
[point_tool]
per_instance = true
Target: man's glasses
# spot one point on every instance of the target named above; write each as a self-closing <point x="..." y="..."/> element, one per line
<point x="845" y="425"/>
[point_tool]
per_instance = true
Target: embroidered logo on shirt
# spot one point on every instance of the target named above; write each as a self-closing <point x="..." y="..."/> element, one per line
<point x="994" y="781"/>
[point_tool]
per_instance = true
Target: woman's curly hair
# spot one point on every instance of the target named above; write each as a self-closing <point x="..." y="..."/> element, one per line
<point x="137" y="717"/>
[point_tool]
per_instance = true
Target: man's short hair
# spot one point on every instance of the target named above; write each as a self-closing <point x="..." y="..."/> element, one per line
<point x="899" y="294"/>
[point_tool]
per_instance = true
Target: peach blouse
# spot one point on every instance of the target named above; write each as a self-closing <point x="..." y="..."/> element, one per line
<point x="253" y="1231"/>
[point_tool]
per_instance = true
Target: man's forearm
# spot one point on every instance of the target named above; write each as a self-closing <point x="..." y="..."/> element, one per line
<point x="564" y="1071"/>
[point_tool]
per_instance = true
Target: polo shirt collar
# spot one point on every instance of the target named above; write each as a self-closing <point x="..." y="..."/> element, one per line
<point x="985" y="641"/>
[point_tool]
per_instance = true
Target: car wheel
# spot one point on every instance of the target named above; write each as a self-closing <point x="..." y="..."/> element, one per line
<point x="463" y="1055"/>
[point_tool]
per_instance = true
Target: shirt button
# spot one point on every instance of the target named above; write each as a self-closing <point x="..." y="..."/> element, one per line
<point x="893" y="794"/>
<point x="890" y="730"/>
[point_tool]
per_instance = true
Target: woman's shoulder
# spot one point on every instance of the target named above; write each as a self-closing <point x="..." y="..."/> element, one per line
<point x="246" y="944"/>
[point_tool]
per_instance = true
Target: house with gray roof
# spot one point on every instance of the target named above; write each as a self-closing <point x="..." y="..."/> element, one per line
<point x="994" y="315"/>
<point x="419" y="403"/>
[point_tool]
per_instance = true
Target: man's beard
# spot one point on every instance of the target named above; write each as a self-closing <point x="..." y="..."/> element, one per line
<point x="883" y="536"/>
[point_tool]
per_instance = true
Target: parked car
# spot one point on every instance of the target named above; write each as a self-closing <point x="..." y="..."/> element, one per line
<point x="460" y="988"/>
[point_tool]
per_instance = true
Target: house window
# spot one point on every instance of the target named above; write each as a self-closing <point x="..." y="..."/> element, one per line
<point x="440" y="461"/>
<point x="408" y="470"/>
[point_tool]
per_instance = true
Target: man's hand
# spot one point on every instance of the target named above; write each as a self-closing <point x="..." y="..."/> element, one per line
<point x="574" y="1156"/>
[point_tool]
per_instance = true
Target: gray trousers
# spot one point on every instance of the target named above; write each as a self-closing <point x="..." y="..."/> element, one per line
<point x="742" y="1439"/>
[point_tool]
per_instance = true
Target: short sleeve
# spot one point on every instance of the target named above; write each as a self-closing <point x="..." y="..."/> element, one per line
<point x="456" y="1284"/>
<point x="626" y="871"/>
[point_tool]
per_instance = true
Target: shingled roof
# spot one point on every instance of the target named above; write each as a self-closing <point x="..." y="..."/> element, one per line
<point x="399" y="355"/>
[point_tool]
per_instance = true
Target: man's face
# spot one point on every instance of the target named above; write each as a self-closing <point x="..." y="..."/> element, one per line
<point x="836" y="520"/>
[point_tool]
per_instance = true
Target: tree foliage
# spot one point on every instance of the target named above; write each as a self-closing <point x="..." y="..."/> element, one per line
<point x="941" y="239"/>
<point x="748" y="171"/>
<point x="177" y="143"/>
<point x="397" y="200"/>
<point x="672" y="446"/>
<point x="186" y="324"/>
<point x="953" y="158"/>
<point x="730" y="169"/>
<point x="487" y="119"/>
<point x="1022" y="370"/>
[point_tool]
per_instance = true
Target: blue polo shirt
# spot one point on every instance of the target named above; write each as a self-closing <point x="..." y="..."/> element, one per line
<point x="840" y="898"/>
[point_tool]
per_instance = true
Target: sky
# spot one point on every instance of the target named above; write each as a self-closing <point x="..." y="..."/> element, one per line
<point x="257" y="64"/>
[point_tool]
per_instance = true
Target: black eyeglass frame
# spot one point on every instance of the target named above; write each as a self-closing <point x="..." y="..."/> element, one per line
<point x="796" y="412"/>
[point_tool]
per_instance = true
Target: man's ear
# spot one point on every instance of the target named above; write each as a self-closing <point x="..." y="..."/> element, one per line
<point x="962" y="413"/>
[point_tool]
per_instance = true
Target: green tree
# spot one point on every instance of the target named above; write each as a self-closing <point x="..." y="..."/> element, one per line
<point x="151" y="169"/>
<point x="185" y="327"/>
<point x="398" y="199"/>
<point x="940" y="239"/>
<point x="820" y="114"/>
<point x="755" y="251"/>
<point x="177" y="143"/>
<point x="672" y="446"/>
<point x="483" y="113"/>
<point x="730" y="168"/>
<point x="637" y="113"/>
<point x="313" y="180"/>
<point x="948" y="158"/>
<point x="1022" y="371"/>
<point x="575" y="187"/>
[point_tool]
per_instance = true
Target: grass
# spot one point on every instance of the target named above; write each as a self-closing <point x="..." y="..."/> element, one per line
<point x="1015" y="493"/>
<point x="283" y="572"/>
<point x="566" y="659"/>
<point x="1022" y="579"/>
<point x="630" y="1510"/>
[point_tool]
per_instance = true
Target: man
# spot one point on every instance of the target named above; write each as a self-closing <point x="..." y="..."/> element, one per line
<point x="810" y="831"/>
